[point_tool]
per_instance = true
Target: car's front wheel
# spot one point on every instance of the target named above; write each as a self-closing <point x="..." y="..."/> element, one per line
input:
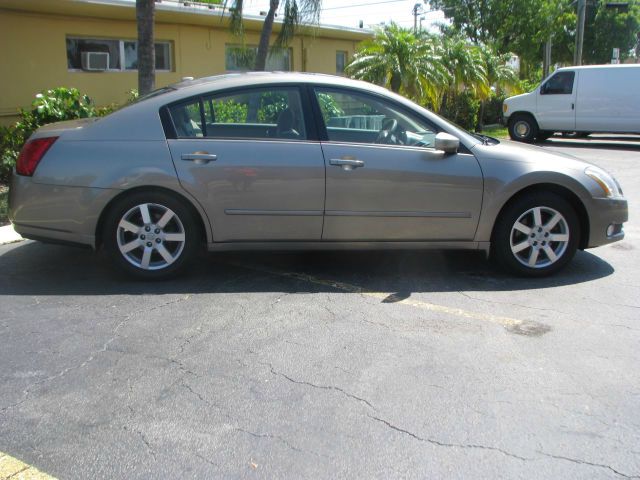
<point x="151" y="235"/>
<point x="536" y="235"/>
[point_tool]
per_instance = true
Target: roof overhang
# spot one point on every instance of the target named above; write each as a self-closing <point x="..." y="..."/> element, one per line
<point x="172" y="12"/>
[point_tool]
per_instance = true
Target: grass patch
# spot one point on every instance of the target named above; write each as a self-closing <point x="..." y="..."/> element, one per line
<point x="496" y="132"/>
<point x="4" y="205"/>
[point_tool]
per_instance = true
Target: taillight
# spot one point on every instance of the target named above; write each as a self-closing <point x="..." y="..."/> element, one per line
<point x="31" y="154"/>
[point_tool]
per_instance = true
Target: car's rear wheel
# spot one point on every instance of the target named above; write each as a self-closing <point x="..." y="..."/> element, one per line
<point x="151" y="235"/>
<point x="523" y="128"/>
<point x="536" y="235"/>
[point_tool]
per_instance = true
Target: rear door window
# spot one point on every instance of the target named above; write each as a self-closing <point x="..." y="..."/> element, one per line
<point x="265" y="113"/>
<point x="269" y="113"/>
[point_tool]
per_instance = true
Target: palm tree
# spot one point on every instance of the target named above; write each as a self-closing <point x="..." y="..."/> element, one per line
<point x="499" y="77"/>
<point x="466" y="66"/>
<point x="295" y="13"/>
<point x="402" y="61"/>
<point x="145" y="11"/>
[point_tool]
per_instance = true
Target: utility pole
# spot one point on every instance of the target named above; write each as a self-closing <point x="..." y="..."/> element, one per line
<point x="546" y="61"/>
<point x="582" y="7"/>
<point x="417" y="10"/>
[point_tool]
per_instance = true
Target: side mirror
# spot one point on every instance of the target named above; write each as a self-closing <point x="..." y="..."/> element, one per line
<point x="447" y="143"/>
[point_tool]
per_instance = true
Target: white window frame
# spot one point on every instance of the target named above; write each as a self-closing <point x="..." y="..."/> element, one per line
<point x="121" y="42"/>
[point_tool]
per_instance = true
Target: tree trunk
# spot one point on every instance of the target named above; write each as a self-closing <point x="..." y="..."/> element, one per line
<point x="267" y="27"/>
<point x="480" y="122"/>
<point x="145" y="10"/>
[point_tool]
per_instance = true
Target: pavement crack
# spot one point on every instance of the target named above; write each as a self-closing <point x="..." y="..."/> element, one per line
<point x="270" y="436"/>
<point x="448" y="445"/>
<point x="146" y="442"/>
<point x="27" y="391"/>
<point x="584" y="462"/>
<point x="322" y="387"/>
<point x="470" y="297"/>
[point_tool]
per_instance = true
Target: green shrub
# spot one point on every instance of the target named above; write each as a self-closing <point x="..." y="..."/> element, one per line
<point x="230" y="112"/>
<point x="49" y="106"/>
<point x="493" y="110"/>
<point x="329" y="107"/>
<point x="462" y="109"/>
<point x="11" y="141"/>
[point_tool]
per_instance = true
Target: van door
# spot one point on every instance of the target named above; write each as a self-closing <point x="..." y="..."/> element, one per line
<point x="608" y="100"/>
<point x="556" y="103"/>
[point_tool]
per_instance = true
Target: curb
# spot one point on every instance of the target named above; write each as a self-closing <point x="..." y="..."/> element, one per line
<point x="9" y="235"/>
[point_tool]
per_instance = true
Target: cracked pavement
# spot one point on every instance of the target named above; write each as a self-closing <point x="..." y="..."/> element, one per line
<point x="326" y="365"/>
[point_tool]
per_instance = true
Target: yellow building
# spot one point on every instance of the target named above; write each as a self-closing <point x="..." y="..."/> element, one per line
<point x="91" y="45"/>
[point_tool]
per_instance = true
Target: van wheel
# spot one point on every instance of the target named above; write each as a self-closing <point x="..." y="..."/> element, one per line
<point x="536" y="235"/>
<point x="151" y="235"/>
<point x="523" y="128"/>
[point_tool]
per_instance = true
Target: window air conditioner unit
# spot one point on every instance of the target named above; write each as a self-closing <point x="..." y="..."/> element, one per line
<point x="95" y="61"/>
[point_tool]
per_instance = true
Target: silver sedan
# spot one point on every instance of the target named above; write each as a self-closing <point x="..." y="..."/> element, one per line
<point x="302" y="161"/>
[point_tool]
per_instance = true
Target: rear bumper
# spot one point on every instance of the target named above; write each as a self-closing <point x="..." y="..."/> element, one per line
<point x="606" y="213"/>
<point x="56" y="213"/>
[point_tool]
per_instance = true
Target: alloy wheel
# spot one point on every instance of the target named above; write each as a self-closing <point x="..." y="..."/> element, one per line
<point x="539" y="237"/>
<point x="150" y="236"/>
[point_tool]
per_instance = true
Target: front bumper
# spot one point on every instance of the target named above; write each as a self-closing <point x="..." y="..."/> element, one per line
<point x="603" y="214"/>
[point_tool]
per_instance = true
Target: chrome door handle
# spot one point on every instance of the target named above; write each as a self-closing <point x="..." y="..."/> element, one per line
<point x="347" y="163"/>
<point x="199" y="157"/>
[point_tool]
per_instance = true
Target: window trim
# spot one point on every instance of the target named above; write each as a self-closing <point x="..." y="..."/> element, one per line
<point x="121" y="51"/>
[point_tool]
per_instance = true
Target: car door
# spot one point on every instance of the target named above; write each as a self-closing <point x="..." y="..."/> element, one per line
<point x="385" y="180"/>
<point x="246" y="155"/>
<point x="556" y="102"/>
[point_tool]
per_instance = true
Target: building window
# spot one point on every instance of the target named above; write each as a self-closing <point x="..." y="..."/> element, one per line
<point x="239" y="58"/>
<point x="122" y="54"/>
<point x="341" y="62"/>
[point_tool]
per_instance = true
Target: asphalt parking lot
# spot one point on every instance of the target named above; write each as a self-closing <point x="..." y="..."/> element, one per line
<point x="327" y="365"/>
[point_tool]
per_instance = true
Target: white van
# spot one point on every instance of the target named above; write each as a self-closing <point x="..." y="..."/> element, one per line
<point x="598" y="98"/>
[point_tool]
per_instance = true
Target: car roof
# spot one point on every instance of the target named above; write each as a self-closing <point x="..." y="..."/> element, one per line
<point x="244" y="79"/>
<point x="597" y="67"/>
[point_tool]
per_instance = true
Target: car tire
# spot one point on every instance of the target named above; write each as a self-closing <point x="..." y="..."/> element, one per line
<point x="151" y="235"/>
<point x="536" y="235"/>
<point x="523" y="128"/>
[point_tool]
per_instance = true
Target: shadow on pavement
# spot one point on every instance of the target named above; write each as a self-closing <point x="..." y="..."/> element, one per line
<point x="33" y="268"/>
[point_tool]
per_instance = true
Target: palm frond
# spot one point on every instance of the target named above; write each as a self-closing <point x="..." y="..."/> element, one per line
<point x="235" y="10"/>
